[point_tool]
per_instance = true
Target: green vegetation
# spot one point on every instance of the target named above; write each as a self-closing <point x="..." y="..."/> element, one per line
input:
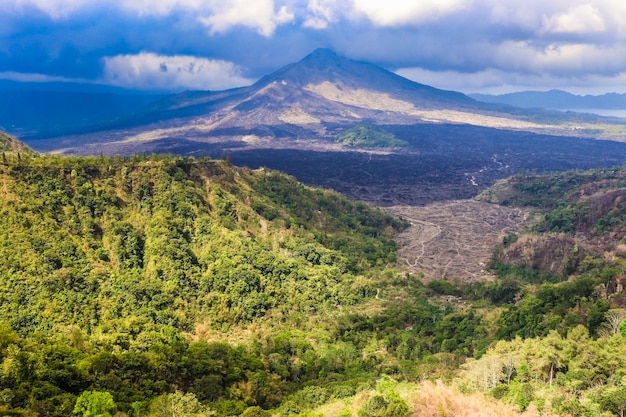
<point x="561" y="334"/>
<point x="573" y="374"/>
<point x="369" y="136"/>
<point x="105" y="239"/>
<point x="9" y="144"/>
<point x="113" y="267"/>
<point x="548" y="191"/>
<point x="168" y="286"/>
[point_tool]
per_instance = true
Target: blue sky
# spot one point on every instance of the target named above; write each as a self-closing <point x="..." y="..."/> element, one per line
<point x="465" y="45"/>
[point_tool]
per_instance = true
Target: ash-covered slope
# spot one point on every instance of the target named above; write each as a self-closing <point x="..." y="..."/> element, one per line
<point x="316" y="98"/>
<point x="322" y="87"/>
<point x="324" y="66"/>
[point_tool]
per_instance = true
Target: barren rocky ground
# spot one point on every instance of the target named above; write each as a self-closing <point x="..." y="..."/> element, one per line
<point x="453" y="240"/>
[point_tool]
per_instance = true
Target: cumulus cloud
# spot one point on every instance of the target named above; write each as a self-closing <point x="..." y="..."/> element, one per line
<point x="158" y="72"/>
<point x="565" y="59"/>
<point x="401" y="12"/>
<point x="320" y="13"/>
<point x="582" y="19"/>
<point x="259" y="14"/>
<point x="547" y="40"/>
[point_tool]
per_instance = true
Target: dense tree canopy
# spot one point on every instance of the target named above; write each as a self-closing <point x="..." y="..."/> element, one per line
<point x="161" y="286"/>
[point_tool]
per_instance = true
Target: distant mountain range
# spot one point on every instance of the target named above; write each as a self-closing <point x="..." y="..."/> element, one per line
<point x="556" y="99"/>
<point x="315" y="99"/>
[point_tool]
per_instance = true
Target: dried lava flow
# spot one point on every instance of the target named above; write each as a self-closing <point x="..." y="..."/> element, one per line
<point x="453" y="239"/>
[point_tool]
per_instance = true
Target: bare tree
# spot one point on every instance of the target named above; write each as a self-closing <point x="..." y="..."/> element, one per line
<point x="613" y="319"/>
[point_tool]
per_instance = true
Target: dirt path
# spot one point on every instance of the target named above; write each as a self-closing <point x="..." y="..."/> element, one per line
<point x="453" y="239"/>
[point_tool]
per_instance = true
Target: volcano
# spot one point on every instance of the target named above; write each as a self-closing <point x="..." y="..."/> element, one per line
<point x="311" y="101"/>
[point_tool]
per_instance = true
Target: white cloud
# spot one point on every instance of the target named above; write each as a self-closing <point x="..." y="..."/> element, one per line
<point x="162" y="7"/>
<point x="56" y="9"/>
<point x="219" y="15"/>
<point x="320" y="13"/>
<point x="315" y="22"/>
<point x="37" y="78"/>
<point x="576" y="20"/>
<point x="258" y="14"/>
<point x="522" y="15"/>
<point x="151" y="71"/>
<point x="402" y="12"/>
<point x="565" y="58"/>
<point x="550" y="40"/>
<point x="495" y="81"/>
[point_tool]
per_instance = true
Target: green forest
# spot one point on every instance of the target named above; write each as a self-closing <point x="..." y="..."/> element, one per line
<point x="369" y="136"/>
<point x="169" y="286"/>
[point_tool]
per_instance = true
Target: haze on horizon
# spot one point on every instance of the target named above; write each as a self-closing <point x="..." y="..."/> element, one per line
<point x="486" y="46"/>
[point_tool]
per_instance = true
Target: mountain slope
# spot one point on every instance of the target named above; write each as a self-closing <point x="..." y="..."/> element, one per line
<point x="322" y="87"/>
<point x="325" y="66"/>
<point x="581" y="223"/>
<point x="315" y="100"/>
<point x="10" y="144"/>
<point x="199" y="235"/>
<point x="111" y="267"/>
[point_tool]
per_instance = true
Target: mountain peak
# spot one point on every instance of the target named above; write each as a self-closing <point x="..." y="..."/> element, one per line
<point x="323" y="59"/>
<point x="324" y="65"/>
<point x="321" y="54"/>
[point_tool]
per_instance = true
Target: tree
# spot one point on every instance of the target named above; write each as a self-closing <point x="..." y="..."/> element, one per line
<point x="613" y="399"/>
<point x="508" y="352"/>
<point x="613" y="319"/>
<point x="187" y="405"/>
<point x="256" y="411"/>
<point x="178" y="404"/>
<point x="94" y="404"/>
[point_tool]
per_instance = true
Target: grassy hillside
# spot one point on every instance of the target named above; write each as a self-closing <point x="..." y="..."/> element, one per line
<point x="104" y="239"/>
<point x="168" y="286"/>
<point x="146" y="284"/>
<point x="9" y="144"/>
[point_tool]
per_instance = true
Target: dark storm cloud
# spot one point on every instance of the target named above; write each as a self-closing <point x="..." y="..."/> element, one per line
<point x="176" y="44"/>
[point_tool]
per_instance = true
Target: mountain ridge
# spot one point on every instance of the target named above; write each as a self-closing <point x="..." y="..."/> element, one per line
<point x="556" y="99"/>
<point x="292" y="82"/>
<point x="310" y="103"/>
<point x="11" y="144"/>
<point x="314" y="98"/>
<point x="326" y="65"/>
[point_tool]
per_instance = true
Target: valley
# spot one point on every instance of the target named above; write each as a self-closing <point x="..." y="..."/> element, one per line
<point x="431" y="182"/>
<point x="222" y="254"/>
